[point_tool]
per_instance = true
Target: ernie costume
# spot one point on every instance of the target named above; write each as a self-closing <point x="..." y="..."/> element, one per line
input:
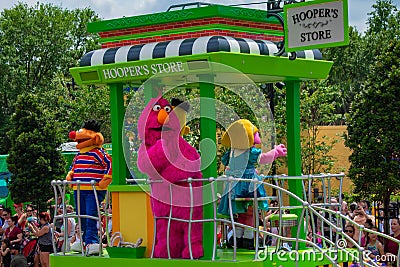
<point x="91" y="163"/>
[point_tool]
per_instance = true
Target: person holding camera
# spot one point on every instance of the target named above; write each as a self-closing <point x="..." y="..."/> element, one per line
<point x="362" y="218"/>
<point x="44" y="235"/>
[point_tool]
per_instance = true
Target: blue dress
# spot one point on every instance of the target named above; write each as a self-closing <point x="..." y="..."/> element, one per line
<point x="241" y="164"/>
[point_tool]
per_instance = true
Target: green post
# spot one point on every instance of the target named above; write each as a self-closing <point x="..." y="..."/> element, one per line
<point x="294" y="149"/>
<point x="117" y="124"/>
<point x="208" y="148"/>
<point x="150" y="89"/>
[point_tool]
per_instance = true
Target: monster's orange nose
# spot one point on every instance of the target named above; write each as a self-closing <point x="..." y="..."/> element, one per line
<point x="72" y="135"/>
<point x="162" y="117"/>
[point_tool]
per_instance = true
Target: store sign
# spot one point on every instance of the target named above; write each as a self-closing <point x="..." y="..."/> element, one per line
<point x="143" y="70"/>
<point x="316" y="24"/>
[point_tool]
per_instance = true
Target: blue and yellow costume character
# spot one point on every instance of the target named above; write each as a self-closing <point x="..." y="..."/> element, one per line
<point x="240" y="161"/>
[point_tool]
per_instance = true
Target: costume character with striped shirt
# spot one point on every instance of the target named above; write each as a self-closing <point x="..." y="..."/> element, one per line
<point x="91" y="163"/>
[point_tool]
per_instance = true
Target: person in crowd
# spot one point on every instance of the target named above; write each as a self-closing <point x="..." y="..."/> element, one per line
<point x="373" y="244"/>
<point x="349" y="230"/>
<point x="270" y="226"/>
<point x="27" y="233"/>
<point x="13" y="233"/>
<point x="369" y="223"/>
<point x="330" y="232"/>
<point x="30" y="213"/>
<point x="76" y="237"/>
<point x="44" y="238"/>
<point x="365" y="205"/>
<point x="390" y="246"/>
<point x="381" y="216"/>
<point x="6" y="214"/>
<point x="1" y="212"/>
<point x="19" y="208"/>
<point x="345" y="213"/>
<point x="352" y="208"/>
<point x="58" y="222"/>
<point x="70" y="232"/>
<point x="18" y="260"/>
<point x="5" y="253"/>
<point x="361" y="218"/>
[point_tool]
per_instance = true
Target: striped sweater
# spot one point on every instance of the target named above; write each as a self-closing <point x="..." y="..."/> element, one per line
<point x="92" y="165"/>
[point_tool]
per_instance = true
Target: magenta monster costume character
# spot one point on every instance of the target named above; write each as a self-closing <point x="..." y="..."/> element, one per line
<point x="169" y="161"/>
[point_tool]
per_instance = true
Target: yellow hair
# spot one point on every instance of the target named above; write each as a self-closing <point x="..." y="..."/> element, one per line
<point x="181" y="114"/>
<point x="240" y="134"/>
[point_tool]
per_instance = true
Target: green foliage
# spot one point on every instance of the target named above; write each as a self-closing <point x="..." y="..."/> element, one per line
<point x="383" y="17"/>
<point x="349" y="71"/>
<point x="37" y="44"/>
<point x="372" y="132"/>
<point x="373" y="117"/>
<point x="73" y="105"/>
<point x="319" y="100"/>
<point x="34" y="158"/>
<point x="318" y="103"/>
<point x="353" y="63"/>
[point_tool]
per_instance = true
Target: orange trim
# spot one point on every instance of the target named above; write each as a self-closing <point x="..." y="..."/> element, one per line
<point x="150" y="226"/>
<point x="88" y="187"/>
<point x="115" y="213"/>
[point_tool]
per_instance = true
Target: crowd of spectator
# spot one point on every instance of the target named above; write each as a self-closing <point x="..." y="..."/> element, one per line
<point x="359" y="227"/>
<point x="25" y="225"/>
<point x="365" y="230"/>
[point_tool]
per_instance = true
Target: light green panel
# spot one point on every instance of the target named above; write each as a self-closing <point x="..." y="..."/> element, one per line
<point x="262" y="68"/>
<point x="294" y="150"/>
<point x="244" y="259"/>
<point x="117" y="121"/>
<point x="208" y="150"/>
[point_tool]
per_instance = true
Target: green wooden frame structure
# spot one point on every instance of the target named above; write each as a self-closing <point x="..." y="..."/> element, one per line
<point x="259" y="68"/>
<point x="292" y="72"/>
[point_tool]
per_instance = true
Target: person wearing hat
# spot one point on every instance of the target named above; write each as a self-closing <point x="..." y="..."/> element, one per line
<point x="18" y="260"/>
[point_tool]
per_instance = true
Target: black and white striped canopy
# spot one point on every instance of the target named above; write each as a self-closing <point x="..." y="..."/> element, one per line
<point x="184" y="47"/>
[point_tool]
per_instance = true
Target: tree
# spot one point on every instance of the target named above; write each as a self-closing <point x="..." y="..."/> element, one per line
<point x="373" y="134"/>
<point x="71" y="106"/>
<point x="34" y="159"/>
<point x="349" y="71"/>
<point x="37" y="44"/>
<point x="382" y="18"/>
<point x="318" y="103"/>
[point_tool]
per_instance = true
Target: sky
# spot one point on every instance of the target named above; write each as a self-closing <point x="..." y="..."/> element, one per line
<point x="109" y="9"/>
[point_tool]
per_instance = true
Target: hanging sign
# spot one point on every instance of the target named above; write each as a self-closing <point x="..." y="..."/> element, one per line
<point x="316" y="24"/>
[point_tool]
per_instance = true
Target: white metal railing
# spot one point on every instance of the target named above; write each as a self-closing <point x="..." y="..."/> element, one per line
<point x="309" y="215"/>
<point x="60" y="188"/>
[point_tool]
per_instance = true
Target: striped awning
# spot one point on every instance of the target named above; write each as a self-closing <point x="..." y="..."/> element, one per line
<point x="185" y="47"/>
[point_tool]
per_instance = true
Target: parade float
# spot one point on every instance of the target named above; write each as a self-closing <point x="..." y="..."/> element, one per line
<point x="204" y="47"/>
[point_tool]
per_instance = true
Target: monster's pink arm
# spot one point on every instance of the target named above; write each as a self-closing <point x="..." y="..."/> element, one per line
<point x="270" y="156"/>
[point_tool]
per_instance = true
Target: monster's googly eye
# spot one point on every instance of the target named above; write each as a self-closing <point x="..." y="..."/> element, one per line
<point x="167" y="109"/>
<point x="157" y="108"/>
<point x="80" y="130"/>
